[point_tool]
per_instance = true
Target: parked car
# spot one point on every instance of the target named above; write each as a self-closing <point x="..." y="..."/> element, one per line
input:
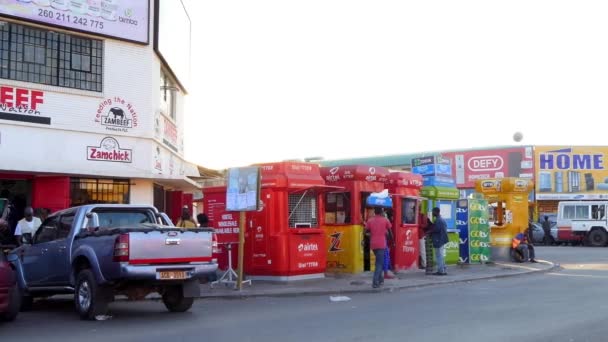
<point x="96" y="252"/>
<point x="538" y="234"/>
<point x="10" y="299"/>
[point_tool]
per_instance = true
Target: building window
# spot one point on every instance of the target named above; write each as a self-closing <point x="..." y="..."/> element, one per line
<point x="168" y="91"/>
<point x="93" y="191"/>
<point x="41" y="56"/>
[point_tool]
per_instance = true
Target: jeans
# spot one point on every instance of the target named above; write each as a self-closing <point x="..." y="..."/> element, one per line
<point x="439" y="256"/>
<point x="378" y="272"/>
<point x="527" y="251"/>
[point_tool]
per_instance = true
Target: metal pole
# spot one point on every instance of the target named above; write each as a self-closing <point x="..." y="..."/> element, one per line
<point x="242" y="218"/>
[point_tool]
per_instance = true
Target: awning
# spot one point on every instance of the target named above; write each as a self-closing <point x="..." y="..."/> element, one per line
<point x="180" y="184"/>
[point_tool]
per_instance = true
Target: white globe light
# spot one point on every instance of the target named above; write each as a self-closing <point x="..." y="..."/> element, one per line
<point x="518" y="136"/>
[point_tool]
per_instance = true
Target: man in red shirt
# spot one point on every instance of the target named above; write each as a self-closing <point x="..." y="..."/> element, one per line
<point x="379" y="230"/>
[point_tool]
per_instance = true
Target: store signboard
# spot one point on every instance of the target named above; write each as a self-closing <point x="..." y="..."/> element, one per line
<point x="243" y="192"/>
<point x="123" y="19"/>
<point x="571" y="172"/>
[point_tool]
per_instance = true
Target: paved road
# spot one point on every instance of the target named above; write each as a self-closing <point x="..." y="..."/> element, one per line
<point x="568" y="305"/>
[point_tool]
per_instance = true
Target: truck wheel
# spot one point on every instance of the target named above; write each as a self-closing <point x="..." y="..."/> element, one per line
<point x="597" y="238"/>
<point x="14" y="304"/>
<point x="88" y="296"/>
<point x="174" y="299"/>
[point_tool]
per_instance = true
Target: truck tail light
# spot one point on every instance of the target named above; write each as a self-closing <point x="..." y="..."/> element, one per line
<point x="121" y="248"/>
<point x="214" y="245"/>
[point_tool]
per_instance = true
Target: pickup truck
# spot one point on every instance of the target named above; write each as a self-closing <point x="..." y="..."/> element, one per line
<point x="97" y="252"/>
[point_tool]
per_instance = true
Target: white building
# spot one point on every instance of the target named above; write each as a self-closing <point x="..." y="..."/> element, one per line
<point x="90" y="111"/>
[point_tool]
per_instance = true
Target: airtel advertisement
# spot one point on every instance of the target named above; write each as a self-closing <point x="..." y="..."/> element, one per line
<point x="470" y="166"/>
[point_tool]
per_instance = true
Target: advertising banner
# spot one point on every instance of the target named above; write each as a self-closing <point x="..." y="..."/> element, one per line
<point x="462" y="219"/>
<point x="243" y="190"/>
<point x="432" y="166"/>
<point x="123" y="19"/>
<point x="571" y="173"/>
<point x="479" y="231"/>
<point x="452" y="250"/>
<point x="470" y="166"/>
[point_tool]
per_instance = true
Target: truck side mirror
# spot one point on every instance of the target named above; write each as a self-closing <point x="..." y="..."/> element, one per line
<point x="26" y="239"/>
<point x="93" y="221"/>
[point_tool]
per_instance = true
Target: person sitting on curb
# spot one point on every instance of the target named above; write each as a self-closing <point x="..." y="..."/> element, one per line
<point x="522" y="249"/>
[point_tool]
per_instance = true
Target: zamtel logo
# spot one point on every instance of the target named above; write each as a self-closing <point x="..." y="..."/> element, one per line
<point x="564" y="159"/>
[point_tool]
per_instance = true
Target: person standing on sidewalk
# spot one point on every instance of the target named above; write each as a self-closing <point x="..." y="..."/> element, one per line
<point x="185" y="221"/>
<point x="378" y="228"/>
<point x="439" y="235"/>
<point x="547" y="230"/>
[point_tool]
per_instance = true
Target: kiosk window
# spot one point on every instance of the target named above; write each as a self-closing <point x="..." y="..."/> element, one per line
<point x="409" y="211"/>
<point x="337" y="208"/>
<point x="303" y="210"/>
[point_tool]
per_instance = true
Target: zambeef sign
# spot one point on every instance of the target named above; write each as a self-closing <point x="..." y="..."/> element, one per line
<point x="109" y="150"/>
<point x="470" y="166"/>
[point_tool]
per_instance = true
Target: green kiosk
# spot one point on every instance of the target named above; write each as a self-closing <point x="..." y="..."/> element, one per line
<point x="439" y="190"/>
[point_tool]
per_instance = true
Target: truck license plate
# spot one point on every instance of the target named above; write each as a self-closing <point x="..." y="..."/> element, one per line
<point x="172" y="275"/>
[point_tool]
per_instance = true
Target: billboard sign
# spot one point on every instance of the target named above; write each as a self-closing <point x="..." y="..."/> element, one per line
<point x="571" y="172"/>
<point x="470" y="166"/>
<point x="243" y="192"/>
<point x="123" y="19"/>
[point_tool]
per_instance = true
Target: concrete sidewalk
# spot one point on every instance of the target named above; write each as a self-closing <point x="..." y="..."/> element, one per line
<point x="337" y="284"/>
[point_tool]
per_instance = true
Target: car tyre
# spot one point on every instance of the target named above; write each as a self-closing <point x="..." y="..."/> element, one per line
<point x="597" y="238"/>
<point x="14" y="305"/>
<point x="89" y="297"/>
<point x="174" y="300"/>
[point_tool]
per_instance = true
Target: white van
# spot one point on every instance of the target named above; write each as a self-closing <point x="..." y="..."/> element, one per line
<point x="584" y="221"/>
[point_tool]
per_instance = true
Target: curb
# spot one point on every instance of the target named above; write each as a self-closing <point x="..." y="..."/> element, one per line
<point x="553" y="267"/>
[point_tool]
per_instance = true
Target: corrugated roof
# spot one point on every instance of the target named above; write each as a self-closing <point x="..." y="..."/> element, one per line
<point x="400" y="159"/>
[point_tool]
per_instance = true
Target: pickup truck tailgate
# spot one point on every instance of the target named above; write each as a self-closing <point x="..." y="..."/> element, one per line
<point x="172" y="246"/>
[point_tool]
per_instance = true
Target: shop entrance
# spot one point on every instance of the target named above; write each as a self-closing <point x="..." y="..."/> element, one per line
<point x="19" y="194"/>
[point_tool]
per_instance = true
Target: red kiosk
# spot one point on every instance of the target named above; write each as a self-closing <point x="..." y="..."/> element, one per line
<point x="284" y="240"/>
<point x="405" y="188"/>
<point x="345" y="215"/>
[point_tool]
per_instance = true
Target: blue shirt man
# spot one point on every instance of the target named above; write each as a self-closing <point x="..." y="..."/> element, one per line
<point x="438" y="231"/>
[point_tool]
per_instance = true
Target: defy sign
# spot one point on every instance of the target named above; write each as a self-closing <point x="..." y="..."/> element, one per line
<point x="109" y="150"/>
<point x="470" y="166"/>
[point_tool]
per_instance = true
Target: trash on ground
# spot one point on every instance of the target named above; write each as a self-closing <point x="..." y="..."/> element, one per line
<point x="339" y="298"/>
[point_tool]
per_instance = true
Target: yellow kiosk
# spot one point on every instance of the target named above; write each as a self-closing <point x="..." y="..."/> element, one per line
<point x="345" y="214"/>
<point x="508" y="199"/>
